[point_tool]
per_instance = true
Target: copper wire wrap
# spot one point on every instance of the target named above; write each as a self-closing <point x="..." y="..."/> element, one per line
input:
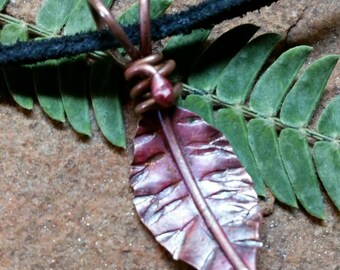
<point x="152" y="72"/>
<point x="152" y="90"/>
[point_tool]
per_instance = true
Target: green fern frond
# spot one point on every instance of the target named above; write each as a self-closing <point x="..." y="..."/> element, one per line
<point x="274" y="145"/>
<point x="62" y="86"/>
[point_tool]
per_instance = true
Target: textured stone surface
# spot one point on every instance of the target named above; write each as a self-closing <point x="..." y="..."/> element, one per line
<point x="65" y="202"/>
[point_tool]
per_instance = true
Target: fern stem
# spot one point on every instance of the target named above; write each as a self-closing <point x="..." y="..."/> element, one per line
<point x="5" y="19"/>
<point x="248" y="113"/>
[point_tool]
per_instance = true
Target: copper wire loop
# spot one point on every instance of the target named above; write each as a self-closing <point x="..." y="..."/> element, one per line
<point x="103" y="18"/>
<point x="145" y="69"/>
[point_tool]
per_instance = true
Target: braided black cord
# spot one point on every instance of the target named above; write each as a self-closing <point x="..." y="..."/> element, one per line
<point x="204" y="15"/>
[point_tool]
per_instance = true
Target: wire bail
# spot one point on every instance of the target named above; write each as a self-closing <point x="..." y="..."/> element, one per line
<point x="150" y="69"/>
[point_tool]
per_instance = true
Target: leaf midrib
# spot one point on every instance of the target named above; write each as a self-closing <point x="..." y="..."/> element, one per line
<point x="197" y="196"/>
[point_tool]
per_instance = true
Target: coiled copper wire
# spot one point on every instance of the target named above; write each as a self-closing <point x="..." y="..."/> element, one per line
<point x="153" y="72"/>
<point x="148" y="68"/>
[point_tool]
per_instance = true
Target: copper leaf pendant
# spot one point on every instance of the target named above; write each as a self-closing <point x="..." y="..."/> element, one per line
<point x="192" y="192"/>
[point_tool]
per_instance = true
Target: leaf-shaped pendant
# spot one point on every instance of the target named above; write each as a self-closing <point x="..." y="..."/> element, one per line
<point x="192" y="192"/>
<point x="190" y="189"/>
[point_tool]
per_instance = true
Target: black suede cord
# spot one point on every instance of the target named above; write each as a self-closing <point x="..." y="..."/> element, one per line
<point x="204" y="15"/>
